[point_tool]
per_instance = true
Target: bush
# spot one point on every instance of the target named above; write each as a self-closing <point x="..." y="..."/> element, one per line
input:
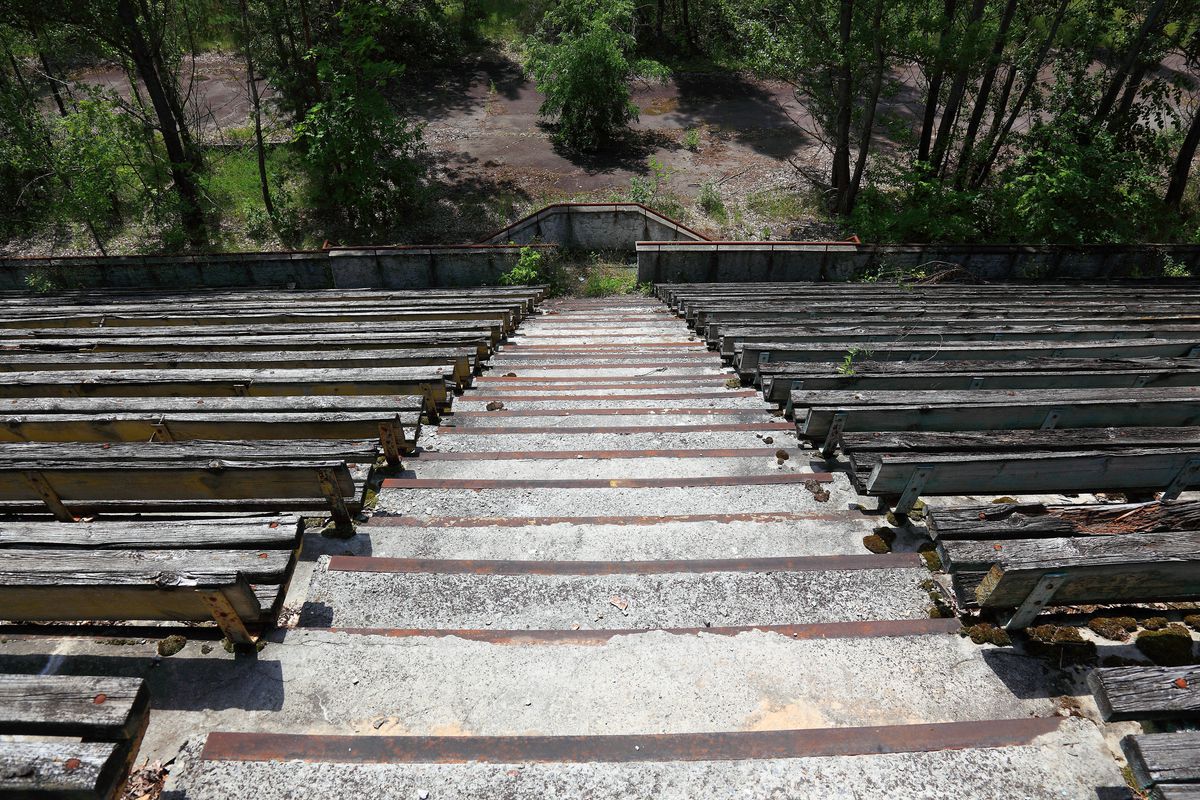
<point x="580" y="59"/>
<point x="691" y="140"/>
<point x="711" y="202"/>
<point x="528" y="269"/>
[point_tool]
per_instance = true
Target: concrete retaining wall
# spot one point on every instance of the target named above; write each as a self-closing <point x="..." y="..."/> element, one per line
<point x="595" y="226"/>
<point x="424" y="267"/>
<point x="713" y="262"/>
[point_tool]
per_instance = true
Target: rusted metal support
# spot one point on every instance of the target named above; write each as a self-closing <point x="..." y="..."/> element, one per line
<point x="390" y="437"/>
<point x="227" y="618"/>
<point x="337" y="504"/>
<point x="50" y="497"/>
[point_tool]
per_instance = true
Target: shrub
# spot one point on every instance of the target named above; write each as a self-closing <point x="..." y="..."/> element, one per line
<point x="527" y="270"/>
<point x="691" y="140"/>
<point x="710" y="200"/>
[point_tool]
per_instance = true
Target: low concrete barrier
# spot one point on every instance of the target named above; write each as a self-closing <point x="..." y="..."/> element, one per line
<point x="715" y="262"/>
<point x="418" y="267"/>
<point x="594" y="226"/>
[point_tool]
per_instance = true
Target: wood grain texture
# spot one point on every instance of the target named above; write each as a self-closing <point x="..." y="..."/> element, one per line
<point x="270" y="532"/>
<point x="1032" y="520"/>
<point x="1147" y="693"/>
<point x="60" y="769"/>
<point x="108" y="709"/>
<point x="1164" y="757"/>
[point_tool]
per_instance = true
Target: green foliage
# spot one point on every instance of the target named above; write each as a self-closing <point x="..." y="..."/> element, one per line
<point x="527" y="270"/>
<point x="1072" y="185"/>
<point x="581" y="60"/>
<point x="361" y="156"/>
<point x="910" y="206"/>
<point x="651" y="190"/>
<point x="691" y="140"/>
<point x="847" y="365"/>
<point x="710" y="200"/>
<point x="1174" y="269"/>
<point x="609" y="281"/>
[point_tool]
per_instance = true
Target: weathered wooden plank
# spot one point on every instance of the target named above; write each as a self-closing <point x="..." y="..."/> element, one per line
<point x="1135" y="567"/>
<point x="1147" y="693"/>
<point x="1029" y="409"/>
<point x="1032" y="520"/>
<point x="427" y="381"/>
<point x="265" y="404"/>
<point x="61" y="769"/>
<point x="17" y="455"/>
<point x="187" y="427"/>
<point x="493" y="330"/>
<point x="1036" y="472"/>
<point x="295" y="341"/>
<point x="779" y="378"/>
<point x="1157" y="758"/>
<point x="749" y="356"/>
<point x="462" y="358"/>
<point x="109" y="709"/>
<point x="68" y="566"/>
<point x="1049" y="440"/>
<point x="268" y="532"/>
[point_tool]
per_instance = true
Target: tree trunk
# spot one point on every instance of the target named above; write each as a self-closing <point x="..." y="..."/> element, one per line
<point x="181" y="163"/>
<point x="929" y="119"/>
<point x="945" y="131"/>
<point x="998" y="137"/>
<point x="1121" y="75"/>
<point x="256" y="107"/>
<point x="868" y="121"/>
<point x="52" y="82"/>
<point x="985" y="91"/>
<point x="658" y="20"/>
<point x="687" y="24"/>
<point x="840" y="177"/>
<point x="1183" y="165"/>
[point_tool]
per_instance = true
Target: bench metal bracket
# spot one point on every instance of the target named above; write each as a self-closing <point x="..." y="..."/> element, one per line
<point x="764" y="356"/>
<point x="162" y="433"/>
<point x="1186" y="476"/>
<point x="1051" y="420"/>
<point x="834" y="438"/>
<point x="390" y="439"/>
<point x="50" y="497"/>
<point x="241" y="389"/>
<point x="1038" y="598"/>
<point x="976" y="382"/>
<point x="914" y="487"/>
<point x="1141" y="381"/>
<point x="337" y="503"/>
<point x="226" y="617"/>
<point x="1194" y="352"/>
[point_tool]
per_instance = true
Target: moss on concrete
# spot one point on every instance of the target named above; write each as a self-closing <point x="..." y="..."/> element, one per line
<point x="171" y="645"/>
<point x="987" y="633"/>
<point x="1114" y="628"/>
<point x="1171" y="646"/>
<point x="880" y="541"/>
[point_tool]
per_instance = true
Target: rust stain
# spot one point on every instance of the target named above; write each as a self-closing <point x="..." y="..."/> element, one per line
<point x="580" y="429"/>
<point x="384" y="520"/>
<point x="445" y="566"/>
<point x="530" y="455"/>
<point x="608" y="483"/>
<point x="740" y="745"/>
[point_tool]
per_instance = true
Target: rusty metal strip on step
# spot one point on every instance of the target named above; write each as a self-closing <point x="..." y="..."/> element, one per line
<point x="522" y="431"/>
<point x="602" y="379"/>
<point x="695" y="345"/>
<point x="624" y="365"/>
<point x="868" y="629"/>
<point x="531" y="455"/>
<point x="719" y="746"/>
<point x="611" y="412"/>
<point x="446" y="566"/>
<point x="385" y="520"/>
<point x="608" y="483"/>
<point x="605" y="398"/>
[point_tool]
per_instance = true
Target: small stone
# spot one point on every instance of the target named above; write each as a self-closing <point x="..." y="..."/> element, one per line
<point x="528" y="702"/>
<point x="206" y="648"/>
<point x="423" y="795"/>
<point x="768" y="440"/>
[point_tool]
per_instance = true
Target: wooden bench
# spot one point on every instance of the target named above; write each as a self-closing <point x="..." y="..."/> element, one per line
<point x="747" y="358"/>
<point x="1147" y="693"/>
<point x="463" y="360"/>
<point x="823" y="415"/>
<point x="230" y="570"/>
<point x="780" y="378"/>
<point x="906" y="465"/>
<point x="427" y="382"/>
<point x="86" y="479"/>
<point x="78" y="735"/>
<point x="395" y="419"/>
<point x="1023" y="576"/>
<point x="1033" y="520"/>
<point x="1166" y="764"/>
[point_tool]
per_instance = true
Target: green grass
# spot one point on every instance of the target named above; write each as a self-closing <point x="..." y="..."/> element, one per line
<point x="607" y="281"/>
<point x="232" y="184"/>
<point x="779" y="205"/>
<point x="502" y="20"/>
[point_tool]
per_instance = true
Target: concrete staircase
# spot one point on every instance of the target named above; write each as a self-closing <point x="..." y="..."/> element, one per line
<point x="612" y="576"/>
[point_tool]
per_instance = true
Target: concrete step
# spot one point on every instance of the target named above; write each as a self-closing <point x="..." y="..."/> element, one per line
<point x="616" y="464"/>
<point x="350" y="591"/>
<point x="564" y="371"/>
<point x="621" y="538"/>
<point x="1066" y="763"/>
<point x="538" y="502"/>
<point x="716" y="400"/>
<point x="592" y="417"/>
<point x="740" y="435"/>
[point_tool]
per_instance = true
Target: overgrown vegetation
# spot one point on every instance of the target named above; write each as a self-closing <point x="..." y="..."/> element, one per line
<point x="1073" y="121"/>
